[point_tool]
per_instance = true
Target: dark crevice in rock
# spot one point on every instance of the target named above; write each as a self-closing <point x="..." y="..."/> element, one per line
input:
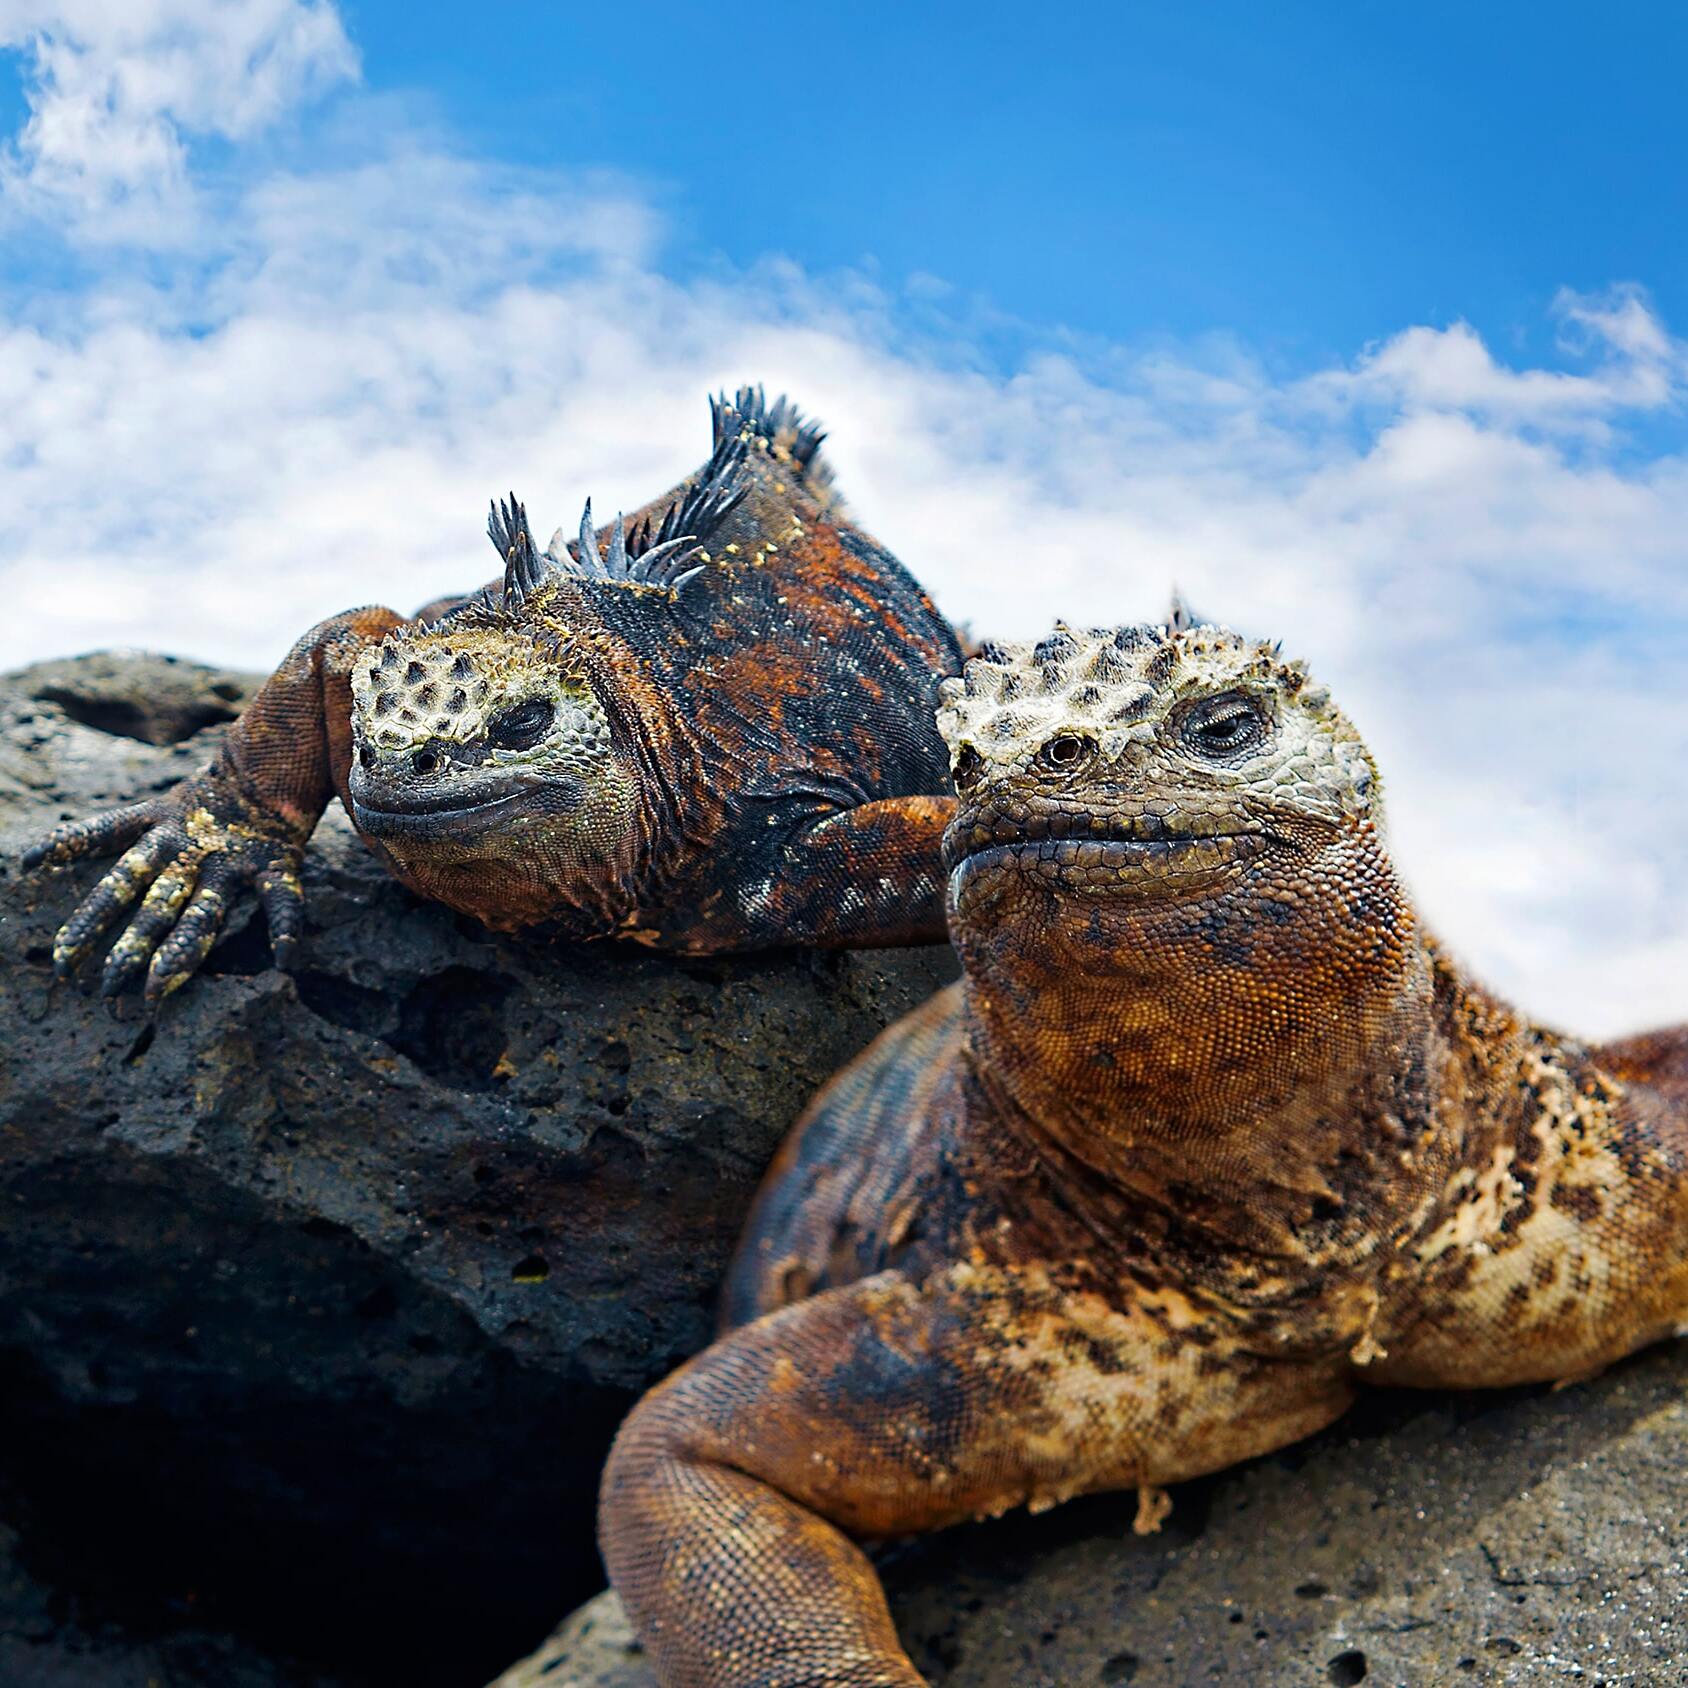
<point x="126" y="718"/>
<point x="150" y="1533"/>
<point x="242" y="952"/>
<point x="356" y="1008"/>
<point x="452" y="1026"/>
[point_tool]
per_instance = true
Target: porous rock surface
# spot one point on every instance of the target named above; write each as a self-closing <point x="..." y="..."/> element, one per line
<point x="1530" y="1537"/>
<point x="320" y="1300"/>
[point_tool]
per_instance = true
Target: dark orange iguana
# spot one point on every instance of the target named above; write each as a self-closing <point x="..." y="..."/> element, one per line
<point x="714" y="733"/>
<point x="1209" y="1133"/>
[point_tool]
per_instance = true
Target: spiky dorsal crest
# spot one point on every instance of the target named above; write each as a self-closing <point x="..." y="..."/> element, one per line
<point x="648" y="561"/>
<point x="1180" y="618"/>
<point x="525" y="565"/>
<point x="657" y="553"/>
<point x="778" y="427"/>
<point x="707" y="502"/>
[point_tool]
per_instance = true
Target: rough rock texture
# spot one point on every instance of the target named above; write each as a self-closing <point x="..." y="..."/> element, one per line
<point x="159" y="699"/>
<point x="1531" y="1537"/>
<point x="319" y="1303"/>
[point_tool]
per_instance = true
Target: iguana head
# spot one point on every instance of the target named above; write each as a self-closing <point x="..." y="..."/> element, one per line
<point x="1187" y="957"/>
<point x="487" y="764"/>
<point x="1173" y="830"/>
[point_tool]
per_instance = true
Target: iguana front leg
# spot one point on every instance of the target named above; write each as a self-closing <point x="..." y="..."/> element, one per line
<point x="867" y="877"/>
<point x="736" y="1491"/>
<point x="243" y="820"/>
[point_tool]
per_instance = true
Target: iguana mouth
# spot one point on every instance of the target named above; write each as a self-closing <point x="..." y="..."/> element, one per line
<point x="446" y="802"/>
<point x="992" y="827"/>
<point x="439" y="819"/>
<point x="1112" y="866"/>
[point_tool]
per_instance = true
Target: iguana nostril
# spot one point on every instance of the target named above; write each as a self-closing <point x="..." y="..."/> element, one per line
<point x="366" y="756"/>
<point x="425" y="761"/>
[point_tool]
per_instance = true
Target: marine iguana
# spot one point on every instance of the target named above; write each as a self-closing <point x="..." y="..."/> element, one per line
<point x="1209" y="1133"/>
<point x="713" y="733"/>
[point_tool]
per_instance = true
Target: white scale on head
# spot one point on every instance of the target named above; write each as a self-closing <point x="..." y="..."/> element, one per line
<point x="410" y="691"/>
<point x="1118" y="686"/>
<point x="406" y="694"/>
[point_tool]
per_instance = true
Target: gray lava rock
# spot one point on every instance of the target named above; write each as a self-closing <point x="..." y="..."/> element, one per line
<point x="320" y="1300"/>
<point x="1527" y="1537"/>
<point x="136" y="694"/>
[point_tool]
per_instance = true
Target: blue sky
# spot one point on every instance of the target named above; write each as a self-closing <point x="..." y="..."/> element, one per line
<point x="1361" y="324"/>
<point x="1307" y="184"/>
<point x="1305" y="176"/>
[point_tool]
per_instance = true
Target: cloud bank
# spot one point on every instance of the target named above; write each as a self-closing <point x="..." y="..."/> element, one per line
<point x="287" y="391"/>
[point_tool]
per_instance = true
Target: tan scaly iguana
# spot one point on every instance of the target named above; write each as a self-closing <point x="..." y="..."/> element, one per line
<point x="1210" y="1134"/>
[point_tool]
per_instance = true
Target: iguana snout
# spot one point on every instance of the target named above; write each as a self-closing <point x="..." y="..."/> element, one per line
<point x="450" y="792"/>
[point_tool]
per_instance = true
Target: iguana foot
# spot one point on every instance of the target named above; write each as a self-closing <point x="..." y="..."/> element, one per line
<point x="187" y="856"/>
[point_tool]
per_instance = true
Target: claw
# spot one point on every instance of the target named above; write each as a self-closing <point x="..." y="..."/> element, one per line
<point x="179" y="955"/>
<point x="283" y="900"/>
<point x="116" y="829"/>
<point x="158" y="913"/>
<point x="134" y="871"/>
<point x="160" y="986"/>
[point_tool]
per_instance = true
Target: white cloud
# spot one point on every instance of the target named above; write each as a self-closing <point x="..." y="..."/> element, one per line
<point x="117" y="87"/>
<point x="313" y="411"/>
<point x="1637" y="368"/>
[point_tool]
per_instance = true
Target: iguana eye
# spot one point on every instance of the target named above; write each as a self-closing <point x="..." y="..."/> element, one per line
<point x="1066" y="751"/>
<point x="1225" y="726"/>
<point x="522" y="727"/>
<point x="968" y="764"/>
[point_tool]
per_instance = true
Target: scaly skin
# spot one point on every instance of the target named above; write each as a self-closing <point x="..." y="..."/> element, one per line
<point x="713" y="735"/>
<point x="1209" y="1134"/>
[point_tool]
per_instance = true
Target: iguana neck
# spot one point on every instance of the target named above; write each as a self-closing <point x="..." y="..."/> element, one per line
<point x="1287" y="1111"/>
